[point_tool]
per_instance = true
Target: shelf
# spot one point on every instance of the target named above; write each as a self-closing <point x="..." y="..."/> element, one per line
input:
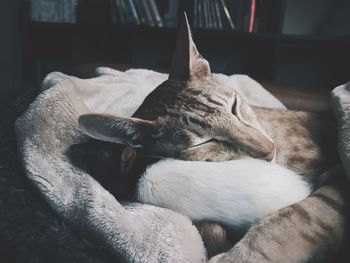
<point x="263" y="56"/>
<point x="132" y="29"/>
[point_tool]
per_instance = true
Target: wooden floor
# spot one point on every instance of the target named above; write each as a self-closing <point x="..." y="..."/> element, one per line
<point x="300" y="98"/>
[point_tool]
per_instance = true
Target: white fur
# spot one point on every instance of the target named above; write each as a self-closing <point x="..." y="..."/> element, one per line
<point x="235" y="193"/>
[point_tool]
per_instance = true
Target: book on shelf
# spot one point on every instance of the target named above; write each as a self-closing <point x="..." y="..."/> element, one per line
<point x="239" y="15"/>
<point x="119" y="11"/>
<point x="60" y="11"/>
<point x="155" y="13"/>
<point x="145" y="12"/>
<point x="141" y="12"/>
<point x="170" y="12"/>
<point x="218" y="14"/>
<point x="212" y="14"/>
<point x="129" y="12"/>
<point x="227" y="14"/>
<point x="251" y="16"/>
<point x="150" y="20"/>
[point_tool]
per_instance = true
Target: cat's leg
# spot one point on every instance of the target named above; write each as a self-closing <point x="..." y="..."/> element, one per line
<point x="216" y="238"/>
<point x="306" y="231"/>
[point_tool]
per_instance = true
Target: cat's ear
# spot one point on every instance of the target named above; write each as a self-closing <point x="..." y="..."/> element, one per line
<point x="187" y="62"/>
<point x="124" y="130"/>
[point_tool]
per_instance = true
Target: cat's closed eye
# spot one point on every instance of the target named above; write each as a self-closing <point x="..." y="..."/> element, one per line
<point x="206" y="141"/>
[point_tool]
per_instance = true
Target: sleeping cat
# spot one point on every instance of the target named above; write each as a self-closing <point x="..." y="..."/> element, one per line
<point x="228" y="192"/>
<point x="191" y="117"/>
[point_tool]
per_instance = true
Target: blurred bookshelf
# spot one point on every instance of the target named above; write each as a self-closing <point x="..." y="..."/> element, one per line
<point x="258" y="38"/>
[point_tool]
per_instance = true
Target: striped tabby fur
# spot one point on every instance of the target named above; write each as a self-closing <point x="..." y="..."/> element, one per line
<point x="191" y="117"/>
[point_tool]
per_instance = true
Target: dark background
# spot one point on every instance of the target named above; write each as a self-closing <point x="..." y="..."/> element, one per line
<point x="305" y="45"/>
<point x="300" y="51"/>
<point x="10" y="48"/>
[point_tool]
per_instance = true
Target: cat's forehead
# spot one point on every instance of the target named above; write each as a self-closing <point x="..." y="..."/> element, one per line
<point x="203" y="100"/>
<point x="207" y="85"/>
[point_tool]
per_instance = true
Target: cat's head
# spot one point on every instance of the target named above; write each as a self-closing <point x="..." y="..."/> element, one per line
<point x="190" y="116"/>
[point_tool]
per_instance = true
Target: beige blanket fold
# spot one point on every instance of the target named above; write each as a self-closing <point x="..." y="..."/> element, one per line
<point x="340" y="98"/>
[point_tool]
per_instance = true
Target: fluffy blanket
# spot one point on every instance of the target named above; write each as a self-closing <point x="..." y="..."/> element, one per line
<point x="136" y="232"/>
<point x="340" y="98"/>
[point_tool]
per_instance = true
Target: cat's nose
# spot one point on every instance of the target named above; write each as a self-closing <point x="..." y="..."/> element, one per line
<point x="269" y="157"/>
